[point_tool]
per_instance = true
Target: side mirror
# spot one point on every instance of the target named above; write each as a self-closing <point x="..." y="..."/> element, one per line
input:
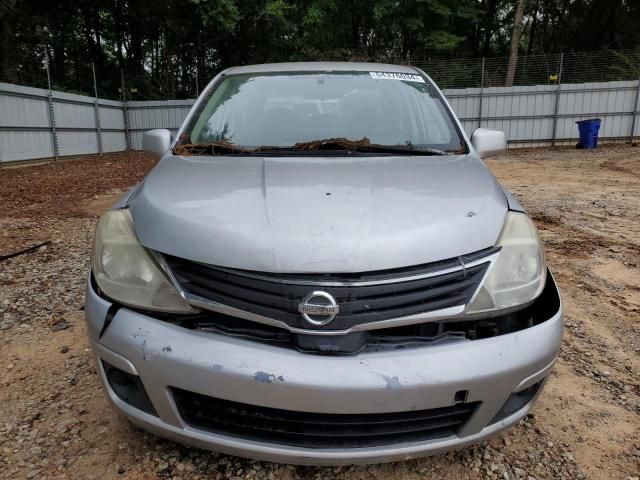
<point x="488" y="142"/>
<point x="157" y="141"/>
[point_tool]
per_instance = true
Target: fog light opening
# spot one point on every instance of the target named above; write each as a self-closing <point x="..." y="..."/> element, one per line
<point x="517" y="401"/>
<point x="121" y="379"/>
<point x="128" y="388"/>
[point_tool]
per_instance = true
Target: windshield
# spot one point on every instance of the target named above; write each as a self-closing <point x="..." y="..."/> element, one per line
<point x="344" y="111"/>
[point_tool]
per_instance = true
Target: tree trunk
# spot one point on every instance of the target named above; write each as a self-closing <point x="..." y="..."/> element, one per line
<point x="8" y="58"/>
<point x="117" y="15"/>
<point x="515" y="43"/>
<point x="532" y="31"/>
<point x="489" y="26"/>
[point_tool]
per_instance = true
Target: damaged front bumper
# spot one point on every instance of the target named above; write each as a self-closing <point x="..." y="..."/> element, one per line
<point x="484" y="385"/>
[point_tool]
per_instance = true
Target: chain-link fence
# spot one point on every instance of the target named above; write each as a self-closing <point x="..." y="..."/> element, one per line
<point x="40" y="68"/>
<point x="77" y="72"/>
<point x="574" y="67"/>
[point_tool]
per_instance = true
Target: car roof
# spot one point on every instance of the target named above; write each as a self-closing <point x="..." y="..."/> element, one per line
<point x="320" y="67"/>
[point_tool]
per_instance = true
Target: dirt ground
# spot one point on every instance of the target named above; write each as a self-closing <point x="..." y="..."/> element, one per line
<point x="56" y="423"/>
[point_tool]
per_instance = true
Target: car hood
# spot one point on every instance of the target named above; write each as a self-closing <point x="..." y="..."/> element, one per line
<point x="318" y="214"/>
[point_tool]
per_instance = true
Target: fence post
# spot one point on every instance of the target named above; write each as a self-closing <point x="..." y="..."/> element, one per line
<point x="52" y="116"/>
<point x="481" y="93"/>
<point x="125" y="112"/>
<point x="557" y="105"/>
<point x="96" y="110"/>
<point x="635" y="113"/>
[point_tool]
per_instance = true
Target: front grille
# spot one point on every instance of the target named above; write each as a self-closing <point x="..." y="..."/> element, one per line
<point x="394" y="337"/>
<point x="362" y="298"/>
<point x="318" y="430"/>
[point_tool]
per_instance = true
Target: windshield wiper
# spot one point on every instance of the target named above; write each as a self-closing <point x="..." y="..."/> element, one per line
<point x="329" y="145"/>
<point x="332" y="144"/>
<point x="363" y="145"/>
<point x="222" y="147"/>
<point x="403" y="149"/>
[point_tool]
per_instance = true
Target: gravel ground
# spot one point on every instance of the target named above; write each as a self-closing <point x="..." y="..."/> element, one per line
<point x="56" y="423"/>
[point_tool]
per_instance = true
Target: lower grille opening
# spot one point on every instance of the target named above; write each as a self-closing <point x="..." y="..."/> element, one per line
<point x="319" y="430"/>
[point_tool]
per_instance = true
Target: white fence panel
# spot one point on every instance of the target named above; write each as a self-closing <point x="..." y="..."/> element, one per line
<point x="111" y="117"/>
<point x="527" y="114"/>
<point x="24" y="111"/>
<point x="75" y="119"/>
<point x="25" y="145"/>
<point x="113" y="142"/>
<point x="24" y="123"/>
<point x="145" y="116"/>
<point x="77" y="142"/>
<point x="612" y="102"/>
<point x="112" y="126"/>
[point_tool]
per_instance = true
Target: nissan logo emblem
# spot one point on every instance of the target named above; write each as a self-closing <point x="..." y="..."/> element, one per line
<point x="318" y="308"/>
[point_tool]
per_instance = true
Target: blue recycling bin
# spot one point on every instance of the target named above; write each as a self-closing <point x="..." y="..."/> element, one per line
<point x="588" y="133"/>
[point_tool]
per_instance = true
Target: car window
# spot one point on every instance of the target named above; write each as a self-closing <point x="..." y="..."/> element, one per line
<point x="284" y="109"/>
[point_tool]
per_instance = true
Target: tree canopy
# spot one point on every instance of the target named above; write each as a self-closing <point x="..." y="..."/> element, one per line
<point x="162" y="44"/>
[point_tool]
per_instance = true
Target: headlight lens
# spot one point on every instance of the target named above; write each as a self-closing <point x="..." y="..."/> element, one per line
<point x="125" y="271"/>
<point x="518" y="275"/>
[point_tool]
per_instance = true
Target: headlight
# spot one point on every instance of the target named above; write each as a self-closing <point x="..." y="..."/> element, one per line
<point x="125" y="271"/>
<point x="518" y="274"/>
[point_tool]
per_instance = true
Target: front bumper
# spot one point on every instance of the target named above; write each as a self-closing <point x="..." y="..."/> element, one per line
<point x="164" y="355"/>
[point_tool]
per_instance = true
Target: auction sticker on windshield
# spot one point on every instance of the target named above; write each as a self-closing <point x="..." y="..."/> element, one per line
<point x="407" y="77"/>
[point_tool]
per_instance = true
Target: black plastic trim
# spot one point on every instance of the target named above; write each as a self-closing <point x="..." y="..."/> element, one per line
<point x="362" y="297"/>
<point x="319" y="430"/>
<point x="517" y="401"/>
<point x="111" y="313"/>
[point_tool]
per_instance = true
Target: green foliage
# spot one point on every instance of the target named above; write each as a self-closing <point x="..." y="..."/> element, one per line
<point x="222" y="14"/>
<point x="278" y="9"/>
<point x="441" y="41"/>
<point x="160" y="45"/>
